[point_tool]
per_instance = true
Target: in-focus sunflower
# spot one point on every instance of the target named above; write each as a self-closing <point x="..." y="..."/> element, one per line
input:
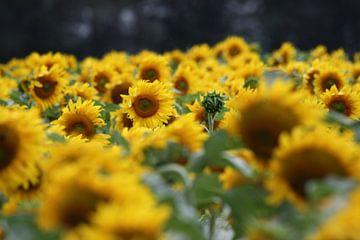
<point x="81" y="118"/>
<point x="309" y="154"/>
<point x="344" y="101"/>
<point x="153" y="68"/>
<point x="48" y="85"/>
<point x="149" y="104"/>
<point x="327" y="77"/>
<point x="259" y="117"/>
<point x="21" y="140"/>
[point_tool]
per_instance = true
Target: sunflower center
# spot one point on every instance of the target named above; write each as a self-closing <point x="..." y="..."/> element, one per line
<point x="9" y="144"/>
<point x="328" y="83"/>
<point x="339" y="106"/>
<point x="47" y="89"/>
<point x="261" y="125"/>
<point x="118" y="90"/>
<point x="78" y="205"/>
<point x="150" y="74"/>
<point x="182" y="85"/>
<point x="234" y="50"/>
<point x="127" y="121"/>
<point x="146" y="106"/>
<point x="309" y="164"/>
<point x="80" y="125"/>
<point x="101" y="80"/>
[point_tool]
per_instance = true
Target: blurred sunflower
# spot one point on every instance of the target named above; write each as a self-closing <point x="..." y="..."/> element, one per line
<point x="149" y="104"/>
<point x="101" y="76"/>
<point x="47" y="87"/>
<point x="307" y="154"/>
<point x="120" y="86"/>
<point x="152" y="68"/>
<point x="21" y="140"/>
<point x="259" y="117"/>
<point x="234" y="47"/>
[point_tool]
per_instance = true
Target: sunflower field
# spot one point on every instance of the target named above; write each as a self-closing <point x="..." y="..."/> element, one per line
<point x="215" y="142"/>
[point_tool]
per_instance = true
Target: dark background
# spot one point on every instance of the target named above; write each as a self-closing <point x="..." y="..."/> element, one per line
<point x="94" y="27"/>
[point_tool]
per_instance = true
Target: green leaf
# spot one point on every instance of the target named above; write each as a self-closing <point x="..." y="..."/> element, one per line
<point x="246" y="202"/>
<point x="117" y="139"/>
<point x="56" y="137"/>
<point x="207" y="189"/>
<point x="214" y="147"/>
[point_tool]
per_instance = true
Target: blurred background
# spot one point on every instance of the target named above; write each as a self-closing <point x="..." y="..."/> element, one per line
<point x="94" y="27"/>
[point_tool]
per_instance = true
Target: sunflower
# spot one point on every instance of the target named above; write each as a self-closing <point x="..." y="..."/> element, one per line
<point x="149" y="104"/>
<point x="120" y="86"/>
<point x="309" y="77"/>
<point x="327" y="77"/>
<point x="259" y="117"/>
<point x="185" y="80"/>
<point x="176" y="57"/>
<point x="307" y="154"/>
<point x="69" y="200"/>
<point x="199" y="53"/>
<point x="139" y="220"/>
<point x="344" y="224"/>
<point x="355" y="73"/>
<point x="7" y="85"/>
<point x="344" y="101"/>
<point x="186" y="132"/>
<point x="81" y="118"/>
<point x="234" y="47"/>
<point x="318" y="52"/>
<point x="102" y="75"/>
<point x="122" y="120"/>
<point x="83" y="90"/>
<point x="285" y="54"/>
<point x="152" y="68"/>
<point x="21" y="140"/>
<point x="48" y="85"/>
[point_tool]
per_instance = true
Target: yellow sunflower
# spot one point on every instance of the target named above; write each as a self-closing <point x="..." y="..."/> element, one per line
<point x="259" y="117"/>
<point x="355" y="73"/>
<point x="102" y="75"/>
<point x="83" y="90"/>
<point x="327" y="77"/>
<point x="7" y="85"/>
<point x="199" y="53"/>
<point x="152" y="68"/>
<point x="344" y="101"/>
<point x="21" y="140"/>
<point x="47" y="87"/>
<point x="149" y="104"/>
<point x="120" y="86"/>
<point x="309" y="154"/>
<point x="185" y="81"/>
<point x="344" y="224"/>
<point x="234" y="47"/>
<point x="81" y="118"/>
<point x="285" y="54"/>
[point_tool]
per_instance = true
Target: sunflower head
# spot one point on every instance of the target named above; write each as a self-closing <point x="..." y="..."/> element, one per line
<point x="120" y="86"/>
<point x="307" y="154"/>
<point x="153" y="68"/>
<point x="199" y="53"/>
<point x="80" y="118"/>
<point x="149" y="104"/>
<point x="233" y="47"/>
<point x="48" y="85"/>
<point x="102" y="75"/>
<point x="327" y="77"/>
<point x="344" y="101"/>
<point x="259" y="117"/>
